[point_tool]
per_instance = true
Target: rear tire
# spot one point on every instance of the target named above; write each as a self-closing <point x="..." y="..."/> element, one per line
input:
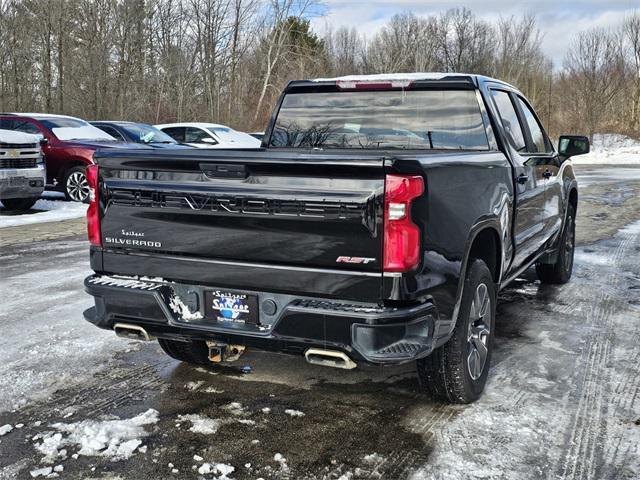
<point x="457" y="371"/>
<point x="19" y="204"/>
<point x="193" y="352"/>
<point x="75" y="186"/>
<point x="560" y="272"/>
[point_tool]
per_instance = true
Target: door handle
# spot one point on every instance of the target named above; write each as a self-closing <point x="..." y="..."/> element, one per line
<point x="547" y="173"/>
<point x="522" y="178"/>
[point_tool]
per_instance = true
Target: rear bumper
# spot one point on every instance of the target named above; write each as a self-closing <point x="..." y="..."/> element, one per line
<point x="22" y="182"/>
<point x="379" y="335"/>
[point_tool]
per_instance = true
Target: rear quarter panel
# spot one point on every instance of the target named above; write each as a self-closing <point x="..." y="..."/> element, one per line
<point x="465" y="193"/>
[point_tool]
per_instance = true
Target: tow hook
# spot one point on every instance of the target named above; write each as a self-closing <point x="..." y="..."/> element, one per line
<point x="222" y="352"/>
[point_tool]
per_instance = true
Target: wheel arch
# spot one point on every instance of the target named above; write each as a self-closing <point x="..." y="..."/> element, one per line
<point x="573" y="198"/>
<point x="69" y="164"/>
<point x="483" y="243"/>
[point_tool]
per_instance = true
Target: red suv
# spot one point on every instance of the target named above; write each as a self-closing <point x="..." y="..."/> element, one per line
<point x="70" y="143"/>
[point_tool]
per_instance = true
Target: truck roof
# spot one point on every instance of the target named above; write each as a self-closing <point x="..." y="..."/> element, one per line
<point x="407" y="77"/>
<point x="192" y="124"/>
<point x="38" y="115"/>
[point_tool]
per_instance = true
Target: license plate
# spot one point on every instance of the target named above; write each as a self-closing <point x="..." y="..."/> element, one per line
<point x="18" y="181"/>
<point x="233" y="307"/>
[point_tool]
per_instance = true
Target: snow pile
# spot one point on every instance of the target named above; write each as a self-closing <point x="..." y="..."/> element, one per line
<point x="294" y="413"/>
<point x="373" y="459"/>
<point x="41" y="472"/>
<point x="115" y="439"/>
<point x="47" y="211"/>
<point x="202" y="424"/>
<point x="282" y="461"/>
<point x="193" y="386"/>
<point x="235" y="408"/>
<point x="221" y="469"/>
<point x="610" y="148"/>
<point x="5" y="429"/>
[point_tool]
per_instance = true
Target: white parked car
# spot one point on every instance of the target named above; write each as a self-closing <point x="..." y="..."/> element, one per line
<point x="22" y="171"/>
<point x="208" y="135"/>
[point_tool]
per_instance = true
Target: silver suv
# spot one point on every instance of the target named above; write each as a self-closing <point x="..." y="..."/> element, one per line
<point x="22" y="170"/>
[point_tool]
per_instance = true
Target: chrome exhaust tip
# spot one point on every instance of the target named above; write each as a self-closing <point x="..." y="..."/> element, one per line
<point x="132" y="332"/>
<point x="329" y="358"/>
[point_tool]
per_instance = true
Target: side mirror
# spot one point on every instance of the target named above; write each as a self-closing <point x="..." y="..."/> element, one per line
<point x="572" y="145"/>
<point x="209" y="140"/>
<point x="44" y="142"/>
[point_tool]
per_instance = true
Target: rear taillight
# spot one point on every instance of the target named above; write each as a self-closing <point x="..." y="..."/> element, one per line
<point x="93" y="212"/>
<point x="401" y="235"/>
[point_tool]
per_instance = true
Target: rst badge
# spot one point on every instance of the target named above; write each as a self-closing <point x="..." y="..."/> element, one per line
<point x="355" y="260"/>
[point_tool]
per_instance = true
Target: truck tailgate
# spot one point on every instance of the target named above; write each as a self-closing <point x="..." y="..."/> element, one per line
<point x="273" y="209"/>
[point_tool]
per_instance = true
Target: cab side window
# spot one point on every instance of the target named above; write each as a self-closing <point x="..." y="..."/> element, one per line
<point x="177" y="133"/>
<point x="509" y="118"/>
<point x="26" y="127"/>
<point x="539" y="139"/>
<point x="196" y="135"/>
<point x="111" y="131"/>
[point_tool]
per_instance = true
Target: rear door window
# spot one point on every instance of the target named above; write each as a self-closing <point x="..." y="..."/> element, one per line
<point x="510" y="121"/>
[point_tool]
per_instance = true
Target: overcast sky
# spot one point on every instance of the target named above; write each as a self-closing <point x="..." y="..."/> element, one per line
<point x="557" y="19"/>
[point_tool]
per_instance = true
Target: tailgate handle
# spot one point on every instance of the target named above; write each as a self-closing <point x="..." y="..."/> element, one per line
<point x="224" y="170"/>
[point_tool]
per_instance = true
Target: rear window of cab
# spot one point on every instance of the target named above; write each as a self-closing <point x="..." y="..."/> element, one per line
<point x="409" y="119"/>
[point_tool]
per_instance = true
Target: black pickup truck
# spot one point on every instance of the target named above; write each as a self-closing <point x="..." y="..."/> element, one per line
<point x="376" y="224"/>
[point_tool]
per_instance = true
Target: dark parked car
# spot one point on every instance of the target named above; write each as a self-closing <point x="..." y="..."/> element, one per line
<point x="69" y="147"/>
<point x="376" y="224"/>
<point x="138" y="133"/>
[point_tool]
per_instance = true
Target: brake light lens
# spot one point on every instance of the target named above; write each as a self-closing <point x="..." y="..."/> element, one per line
<point x="373" y="85"/>
<point x="93" y="212"/>
<point x="401" y="235"/>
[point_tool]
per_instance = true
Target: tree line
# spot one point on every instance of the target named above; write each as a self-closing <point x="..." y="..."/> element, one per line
<point x="227" y="60"/>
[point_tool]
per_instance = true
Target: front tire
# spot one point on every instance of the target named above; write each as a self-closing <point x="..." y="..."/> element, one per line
<point x="76" y="187"/>
<point x="194" y="352"/>
<point x="560" y="272"/>
<point x="457" y="371"/>
<point x="20" y="204"/>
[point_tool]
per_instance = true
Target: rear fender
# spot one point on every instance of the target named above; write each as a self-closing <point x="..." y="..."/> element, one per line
<point x="501" y="228"/>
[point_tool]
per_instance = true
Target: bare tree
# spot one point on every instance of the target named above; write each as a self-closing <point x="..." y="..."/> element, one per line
<point x="631" y="33"/>
<point x="465" y="43"/>
<point x="275" y="42"/>
<point x="594" y="74"/>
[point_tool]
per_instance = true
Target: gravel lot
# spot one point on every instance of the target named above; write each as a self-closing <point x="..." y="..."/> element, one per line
<point x="562" y="400"/>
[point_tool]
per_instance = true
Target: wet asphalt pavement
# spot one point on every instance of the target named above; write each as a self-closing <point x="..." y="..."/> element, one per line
<point x="562" y="402"/>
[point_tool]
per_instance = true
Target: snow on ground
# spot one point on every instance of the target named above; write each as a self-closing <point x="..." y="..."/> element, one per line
<point x="294" y="413"/>
<point x="48" y="209"/>
<point x="612" y="149"/>
<point x="202" y="424"/>
<point x="5" y="429"/>
<point x="46" y="344"/>
<point x="221" y="469"/>
<point x="114" y="439"/>
<point x="519" y="411"/>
